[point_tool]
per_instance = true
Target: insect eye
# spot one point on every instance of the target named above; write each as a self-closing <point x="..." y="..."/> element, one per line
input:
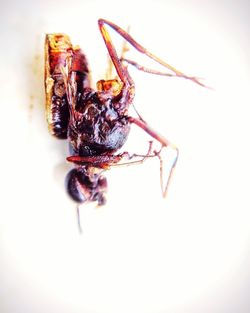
<point x="78" y="186"/>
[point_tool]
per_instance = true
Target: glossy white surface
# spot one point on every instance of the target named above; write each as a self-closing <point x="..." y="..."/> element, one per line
<point x="139" y="253"/>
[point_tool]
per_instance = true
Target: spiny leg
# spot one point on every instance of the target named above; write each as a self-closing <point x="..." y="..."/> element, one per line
<point x="141" y="49"/>
<point x="165" y="143"/>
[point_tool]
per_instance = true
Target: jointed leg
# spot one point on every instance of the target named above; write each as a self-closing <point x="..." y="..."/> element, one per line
<point x="124" y="49"/>
<point x="165" y="143"/>
<point x="99" y="161"/>
<point x="154" y="72"/>
<point x="147" y="70"/>
<point x="138" y="47"/>
<point x="143" y="157"/>
<point x="106" y="161"/>
<point x="120" y="68"/>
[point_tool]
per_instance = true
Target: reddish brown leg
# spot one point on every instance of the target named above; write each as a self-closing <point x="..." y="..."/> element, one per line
<point x="165" y="143"/>
<point x="147" y="70"/>
<point x="138" y="47"/>
<point x="109" y="72"/>
<point x="120" y="68"/>
<point x="99" y="161"/>
<point x="105" y="161"/>
<point x="142" y="157"/>
<point x="154" y="72"/>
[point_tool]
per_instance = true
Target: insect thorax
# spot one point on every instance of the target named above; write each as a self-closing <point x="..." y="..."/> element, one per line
<point x="98" y="125"/>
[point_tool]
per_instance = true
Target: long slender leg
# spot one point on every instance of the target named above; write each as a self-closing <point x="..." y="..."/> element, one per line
<point x="120" y="68"/>
<point x="142" y="157"/>
<point x="146" y="69"/>
<point x="142" y="124"/>
<point x="152" y="71"/>
<point x="124" y="49"/>
<point x="165" y="143"/>
<point x="106" y="161"/>
<point x="138" y="47"/>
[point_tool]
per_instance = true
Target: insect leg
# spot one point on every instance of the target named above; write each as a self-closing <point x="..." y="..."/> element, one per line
<point x="109" y="71"/>
<point x="120" y="68"/>
<point x="152" y="71"/>
<point x="106" y="161"/>
<point x="165" y="143"/>
<point x="142" y="157"/>
<point x="146" y="69"/>
<point x="143" y="50"/>
<point x="98" y="161"/>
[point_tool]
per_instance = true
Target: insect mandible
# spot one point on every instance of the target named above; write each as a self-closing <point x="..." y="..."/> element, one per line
<point x="96" y="122"/>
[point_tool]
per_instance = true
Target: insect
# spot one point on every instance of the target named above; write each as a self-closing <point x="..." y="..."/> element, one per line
<point x="96" y="122"/>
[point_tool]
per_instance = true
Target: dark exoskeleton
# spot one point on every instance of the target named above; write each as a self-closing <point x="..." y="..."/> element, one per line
<point x="96" y="122"/>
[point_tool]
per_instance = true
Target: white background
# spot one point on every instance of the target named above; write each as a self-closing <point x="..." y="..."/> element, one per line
<point x="188" y="253"/>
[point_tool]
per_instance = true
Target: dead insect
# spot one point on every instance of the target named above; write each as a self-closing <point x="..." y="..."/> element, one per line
<point x="96" y="122"/>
